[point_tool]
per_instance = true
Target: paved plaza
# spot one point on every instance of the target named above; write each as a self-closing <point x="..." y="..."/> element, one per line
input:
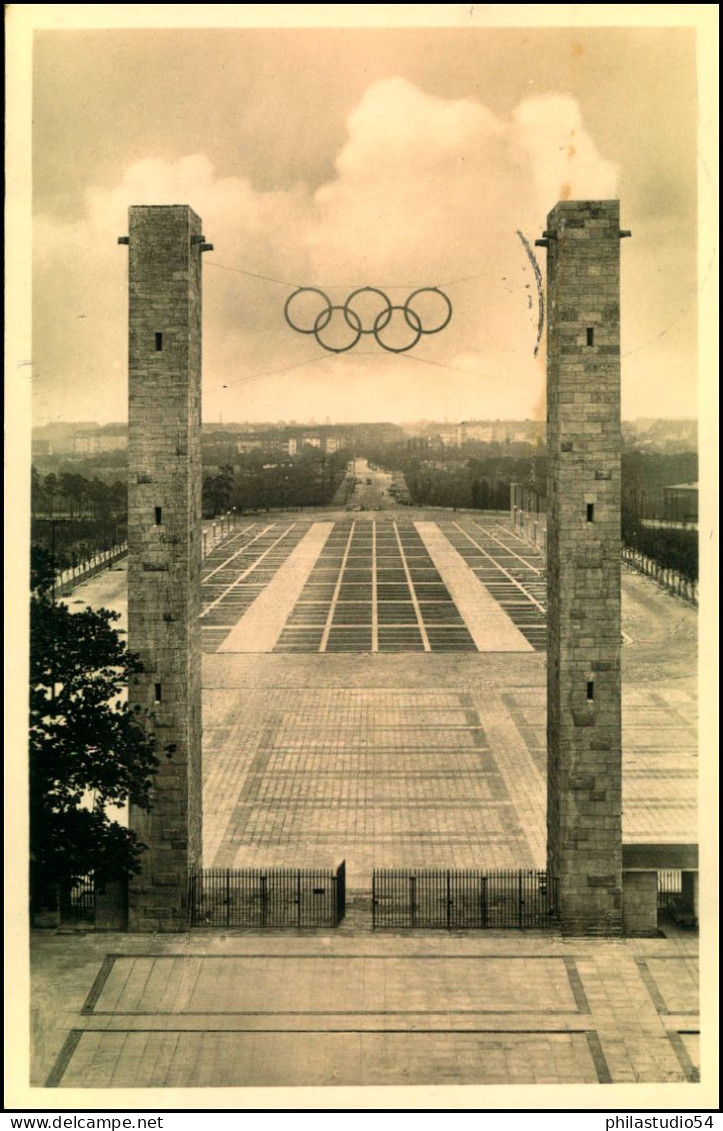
<point x="423" y="740"/>
<point x="373" y="584"/>
<point x="247" y="1008"/>
<point x="381" y="723"/>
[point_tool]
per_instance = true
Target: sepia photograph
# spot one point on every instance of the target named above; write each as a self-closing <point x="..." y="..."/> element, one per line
<point x="360" y="464"/>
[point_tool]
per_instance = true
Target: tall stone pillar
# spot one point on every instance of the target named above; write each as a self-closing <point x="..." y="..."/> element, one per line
<point x="164" y="548"/>
<point x="584" y="755"/>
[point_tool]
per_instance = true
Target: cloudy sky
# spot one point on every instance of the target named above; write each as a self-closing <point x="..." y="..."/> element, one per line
<point x="393" y="158"/>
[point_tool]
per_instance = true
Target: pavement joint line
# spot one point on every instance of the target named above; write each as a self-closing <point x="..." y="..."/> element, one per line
<point x="578" y="990"/>
<point x="242" y="576"/>
<point x="64" y="1058"/>
<point x="507" y="548"/>
<point x="375" y="610"/>
<point x="412" y="591"/>
<point x="334" y="1032"/>
<point x="241" y="550"/>
<point x="692" y="1074"/>
<point x="509" y="1031"/>
<point x="99" y="983"/>
<point x="497" y="565"/>
<point x="545" y="1012"/>
<point x="337" y="591"/>
<point x="653" y="989"/>
<point x="598" y="1057"/>
<point x="402" y="956"/>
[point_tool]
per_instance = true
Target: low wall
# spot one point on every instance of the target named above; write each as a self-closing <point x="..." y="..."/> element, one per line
<point x="640" y="903"/>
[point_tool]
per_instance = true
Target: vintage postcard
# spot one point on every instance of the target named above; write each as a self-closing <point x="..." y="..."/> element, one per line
<point x="356" y="385"/>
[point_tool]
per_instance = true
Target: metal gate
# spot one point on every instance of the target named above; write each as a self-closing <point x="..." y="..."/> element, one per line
<point x="77" y="903"/>
<point x="453" y="899"/>
<point x="670" y="888"/>
<point x="268" y="897"/>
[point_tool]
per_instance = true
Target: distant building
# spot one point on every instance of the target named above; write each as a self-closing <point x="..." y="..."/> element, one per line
<point x="451" y="437"/>
<point x="92" y="444"/>
<point x="78" y="438"/>
<point x="501" y="431"/>
<point x="680" y="502"/>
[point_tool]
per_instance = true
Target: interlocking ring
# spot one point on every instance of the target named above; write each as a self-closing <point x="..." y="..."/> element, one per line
<point x="405" y="312"/>
<point x="430" y="291"/>
<point x="290" y="299"/>
<point x="325" y="317"/>
<point x="369" y="291"/>
<point x="359" y="319"/>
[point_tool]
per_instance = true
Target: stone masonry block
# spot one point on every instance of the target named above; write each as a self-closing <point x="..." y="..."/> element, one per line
<point x="164" y="456"/>
<point x="584" y="822"/>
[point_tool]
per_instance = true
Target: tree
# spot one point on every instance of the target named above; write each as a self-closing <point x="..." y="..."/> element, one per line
<point x="218" y="491"/>
<point x="87" y="751"/>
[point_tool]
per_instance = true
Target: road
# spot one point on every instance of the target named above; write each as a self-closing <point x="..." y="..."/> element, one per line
<point x="372" y="489"/>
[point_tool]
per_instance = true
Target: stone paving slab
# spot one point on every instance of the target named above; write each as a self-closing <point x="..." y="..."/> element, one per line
<point x="374" y="777"/>
<point x="409" y="760"/>
<point x="408" y="776"/>
<point x="264" y="620"/>
<point x="313" y="1059"/>
<point x="329" y="984"/>
<point x="488" y="623"/>
<point x="479" y="1007"/>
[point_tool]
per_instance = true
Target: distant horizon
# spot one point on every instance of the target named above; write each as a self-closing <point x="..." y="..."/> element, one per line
<point x="358" y="423"/>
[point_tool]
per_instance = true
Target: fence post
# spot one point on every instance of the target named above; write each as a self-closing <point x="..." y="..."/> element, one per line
<point x="228" y="896"/>
<point x="264" y="900"/>
<point x="483" y="894"/>
<point x="298" y="897"/>
<point x="341" y="891"/>
<point x="519" y="899"/>
<point x="413" y="899"/>
<point x="374" y="899"/>
<point x="449" y="902"/>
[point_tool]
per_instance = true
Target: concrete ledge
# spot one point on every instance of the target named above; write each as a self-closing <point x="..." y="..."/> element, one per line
<point x="659" y="857"/>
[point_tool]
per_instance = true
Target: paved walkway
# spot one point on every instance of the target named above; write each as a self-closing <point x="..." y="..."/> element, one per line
<point x="352" y="1008"/>
<point x="490" y="627"/>
<point x="384" y="776"/>
<point x="262" y="624"/>
<point x="393" y="761"/>
<point x="372" y="584"/>
<point x="396" y="759"/>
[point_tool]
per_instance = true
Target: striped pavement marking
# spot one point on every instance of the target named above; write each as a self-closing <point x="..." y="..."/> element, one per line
<point x="489" y="625"/>
<point x="264" y="620"/>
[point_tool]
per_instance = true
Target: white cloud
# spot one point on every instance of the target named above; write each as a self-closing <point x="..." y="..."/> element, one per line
<point x="564" y="160"/>
<point x="426" y="192"/>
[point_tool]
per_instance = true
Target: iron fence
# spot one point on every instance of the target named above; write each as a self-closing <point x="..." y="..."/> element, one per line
<point x="268" y="897"/>
<point x="453" y="899"/>
<point x="670" y="888"/>
<point x="77" y="903"/>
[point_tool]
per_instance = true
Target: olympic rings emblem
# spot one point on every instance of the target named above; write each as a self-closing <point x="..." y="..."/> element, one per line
<point x="367" y="310"/>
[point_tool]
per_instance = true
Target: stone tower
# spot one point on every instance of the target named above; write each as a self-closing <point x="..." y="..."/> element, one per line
<point x="164" y="547"/>
<point x="584" y="753"/>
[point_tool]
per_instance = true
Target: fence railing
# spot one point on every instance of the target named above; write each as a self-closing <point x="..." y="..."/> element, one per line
<point x="68" y="579"/>
<point x="455" y="899"/>
<point x="668" y="578"/>
<point x="670" y="886"/>
<point x="77" y="904"/>
<point x="268" y="897"/>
